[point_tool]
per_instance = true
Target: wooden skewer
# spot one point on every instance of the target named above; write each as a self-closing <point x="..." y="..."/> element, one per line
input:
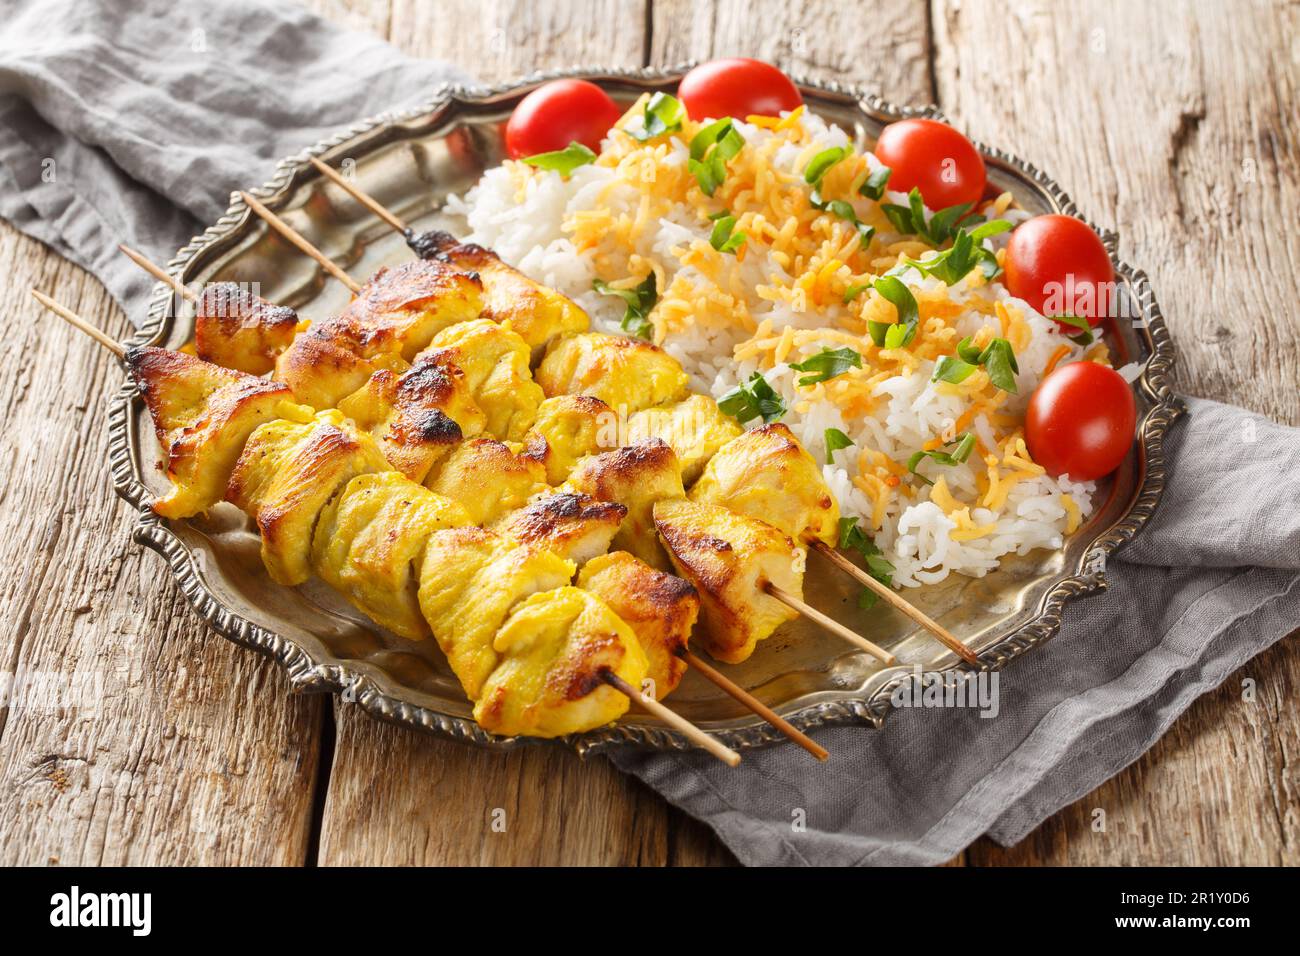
<point x="730" y="687"/>
<point x="796" y="603"/>
<point x="158" y="272"/>
<point x="76" y="321"/>
<point x="332" y="174"/>
<point x="886" y="592"/>
<point x="693" y="733"/>
<point x="295" y="237"/>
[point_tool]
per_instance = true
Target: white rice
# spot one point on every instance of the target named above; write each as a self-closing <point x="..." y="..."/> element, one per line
<point x="528" y="232"/>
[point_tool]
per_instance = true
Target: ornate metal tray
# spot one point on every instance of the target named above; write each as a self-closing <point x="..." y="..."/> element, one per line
<point x="411" y="161"/>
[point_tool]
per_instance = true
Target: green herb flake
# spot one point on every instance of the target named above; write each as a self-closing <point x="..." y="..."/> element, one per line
<point x="563" y="161"/>
<point x="853" y="291"/>
<point x="900" y="334"/>
<point x="751" y="399"/>
<point x="1000" y="362"/>
<point x="910" y="219"/>
<point x="959" y="454"/>
<point x="853" y="538"/>
<point x="997" y="358"/>
<point x="820" y="164"/>
<point x="711" y="148"/>
<point x="663" y="114"/>
<point x="723" y="237"/>
<point x="827" y="364"/>
<point x="951" y="369"/>
<point x="874" y="186"/>
<point x="966" y="252"/>
<point x="640" y="300"/>
<point x="967" y="351"/>
<point x="835" y="440"/>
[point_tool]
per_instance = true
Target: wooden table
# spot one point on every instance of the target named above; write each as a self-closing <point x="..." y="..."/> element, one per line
<point x="1173" y="123"/>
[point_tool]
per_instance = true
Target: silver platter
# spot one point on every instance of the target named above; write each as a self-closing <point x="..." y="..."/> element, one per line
<point x="411" y="161"/>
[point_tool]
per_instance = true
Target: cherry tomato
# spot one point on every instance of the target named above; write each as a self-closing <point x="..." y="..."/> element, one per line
<point x="1080" y="421"/>
<point x="737" y="87"/>
<point x="934" y="158"/>
<point x="557" y="114"/>
<point x="1059" y="266"/>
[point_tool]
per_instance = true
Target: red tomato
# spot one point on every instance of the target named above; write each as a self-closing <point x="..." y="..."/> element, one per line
<point x="1059" y="266"/>
<point x="1080" y="421"/>
<point x="934" y="158"/>
<point x="737" y="87"/>
<point x="557" y="114"/>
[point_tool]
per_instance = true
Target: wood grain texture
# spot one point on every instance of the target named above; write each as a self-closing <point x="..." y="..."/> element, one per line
<point x="1172" y="123"/>
<point x="129" y="733"/>
<point x="881" y="46"/>
<point x="1179" y="131"/>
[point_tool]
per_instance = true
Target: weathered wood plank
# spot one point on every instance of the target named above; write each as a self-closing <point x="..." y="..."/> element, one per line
<point x="883" y="48"/>
<point x="132" y="734"/>
<point x="1179" y="131"/>
<point x="506" y="39"/>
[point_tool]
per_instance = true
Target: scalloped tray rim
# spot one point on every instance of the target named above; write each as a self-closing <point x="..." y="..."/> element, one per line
<point x="307" y="673"/>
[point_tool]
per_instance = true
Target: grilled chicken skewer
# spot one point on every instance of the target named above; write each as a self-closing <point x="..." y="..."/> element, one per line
<point x="419" y="418"/>
<point x="441" y="245"/>
<point x="601" y="366"/>
<point x="288" y="473"/>
<point x="614" y="368"/>
<point x="631" y="375"/>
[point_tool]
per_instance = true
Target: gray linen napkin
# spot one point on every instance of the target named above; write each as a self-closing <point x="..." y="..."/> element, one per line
<point x="148" y="136"/>
<point x="133" y="120"/>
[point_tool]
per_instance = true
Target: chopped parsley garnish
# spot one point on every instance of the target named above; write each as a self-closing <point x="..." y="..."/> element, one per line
<point x="724" y="238"/>
<point x="874" y="186"/>
<point x="910" y="219"/>
<point x="959" y="454"/>
<point x="949" y="368"/>
<point x="820" y="164"/>
<point x="835" y="440"/>
<point x="900" y="334"/>
<point x="813" y="173"/>
<point x="827" y="364"/>
<point x="966" y="252"/>
<point x="663" y="114"/>
<point x="563" y="161"/>
<point x="640" y="300"/>
<point x="711" y="148"/>
<point x="751" y="399"/>
<point x="853" y="291"/>
<point x="997" y="357"/>
<point x="853" y="538"/>
<point x="1000" y="362"/>
<point x="845" y="211"/>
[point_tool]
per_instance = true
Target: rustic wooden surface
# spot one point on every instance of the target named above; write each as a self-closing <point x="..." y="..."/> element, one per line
<point x="1173" y="123"/>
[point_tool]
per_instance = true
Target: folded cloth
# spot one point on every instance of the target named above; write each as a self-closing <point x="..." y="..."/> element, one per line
<point x="132" y="121"/>
<point x="1211" y="581"/>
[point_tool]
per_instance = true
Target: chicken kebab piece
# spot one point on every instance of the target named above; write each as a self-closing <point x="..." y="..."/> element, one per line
<point x="233" y="327"/>
<point x="536" y="312"/>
